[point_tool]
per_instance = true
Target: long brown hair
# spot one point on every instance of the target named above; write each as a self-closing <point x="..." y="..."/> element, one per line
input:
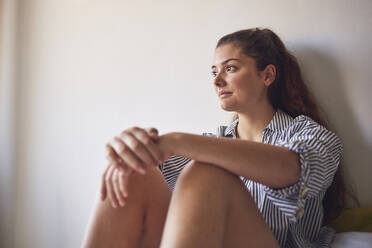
<point x="289" y="93"/>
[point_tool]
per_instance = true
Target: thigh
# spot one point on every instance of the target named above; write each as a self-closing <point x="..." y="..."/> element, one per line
<point x="144" y="213"/>
<point x="246" y="226"/>
<point x="197" y="212"/>
<point x="157" y="205"/>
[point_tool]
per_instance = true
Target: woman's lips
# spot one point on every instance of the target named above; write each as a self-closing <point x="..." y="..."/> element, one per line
<point x="224" y="95"/>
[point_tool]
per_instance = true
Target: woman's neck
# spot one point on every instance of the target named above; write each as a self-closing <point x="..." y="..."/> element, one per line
<point x="252" y="123"/>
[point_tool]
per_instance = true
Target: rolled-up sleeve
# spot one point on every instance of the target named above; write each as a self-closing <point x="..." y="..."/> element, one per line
<point x="319" y="151"/>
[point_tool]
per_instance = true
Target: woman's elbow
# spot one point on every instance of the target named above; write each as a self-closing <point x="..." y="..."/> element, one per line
<point x="294" y="168"/>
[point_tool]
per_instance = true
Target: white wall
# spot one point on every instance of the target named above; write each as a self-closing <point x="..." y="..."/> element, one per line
<point x="8" y="9"/>
<point x="89" y="69"/>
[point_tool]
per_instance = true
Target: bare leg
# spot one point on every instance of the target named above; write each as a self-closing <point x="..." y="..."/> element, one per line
<point x="245" y="226"/>
<point x="197" y="212"/>
<point x="139" y="223"/>
<point x="211" y="207"/>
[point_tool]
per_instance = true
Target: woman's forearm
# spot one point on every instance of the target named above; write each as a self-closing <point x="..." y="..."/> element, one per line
<point x="270" y="165"/>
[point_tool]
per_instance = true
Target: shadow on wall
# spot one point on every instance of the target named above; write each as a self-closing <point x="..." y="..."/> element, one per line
<point x="322" y="75"/>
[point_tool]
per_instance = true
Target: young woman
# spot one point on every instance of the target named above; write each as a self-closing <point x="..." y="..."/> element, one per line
<point x="259" y="182"/>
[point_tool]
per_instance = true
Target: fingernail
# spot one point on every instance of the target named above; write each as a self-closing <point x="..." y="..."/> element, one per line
<point x="142" y="171"/>
<point x="114" y="205"/>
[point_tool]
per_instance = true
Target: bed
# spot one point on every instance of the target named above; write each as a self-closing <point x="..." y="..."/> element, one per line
<point x="352" y="240"/>
<point x="353" y="229"/>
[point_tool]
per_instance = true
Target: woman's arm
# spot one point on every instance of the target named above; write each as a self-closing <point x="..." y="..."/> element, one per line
<point x="274" y="166"/>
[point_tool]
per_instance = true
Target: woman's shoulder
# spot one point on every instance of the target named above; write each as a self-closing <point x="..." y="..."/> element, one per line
<point x="304" y="128"/>
<point x="306" y="123"/>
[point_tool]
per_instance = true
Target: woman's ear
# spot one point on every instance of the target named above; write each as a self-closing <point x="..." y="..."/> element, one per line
<point x="269" y="74"/>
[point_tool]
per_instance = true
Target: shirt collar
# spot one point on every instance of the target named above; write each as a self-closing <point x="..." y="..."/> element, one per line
<point x="230" y="130"/>
<point x="280" y="122"/>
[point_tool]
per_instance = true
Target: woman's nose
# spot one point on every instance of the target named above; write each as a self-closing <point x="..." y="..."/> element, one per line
<point x="218" y="80"/>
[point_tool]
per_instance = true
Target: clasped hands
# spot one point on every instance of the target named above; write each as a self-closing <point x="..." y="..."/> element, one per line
<point x="134" y="151"/>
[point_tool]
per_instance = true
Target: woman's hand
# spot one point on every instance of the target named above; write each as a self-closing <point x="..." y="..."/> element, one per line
<point x="115" y="184"/>
<point x="133" y="150"/>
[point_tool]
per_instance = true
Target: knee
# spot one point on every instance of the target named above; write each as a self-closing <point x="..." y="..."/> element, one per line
<point x="195" y="172"/>
<point x="202" y="176"/>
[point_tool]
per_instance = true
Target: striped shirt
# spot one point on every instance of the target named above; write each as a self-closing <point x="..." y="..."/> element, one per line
<point x="294" y="213"/>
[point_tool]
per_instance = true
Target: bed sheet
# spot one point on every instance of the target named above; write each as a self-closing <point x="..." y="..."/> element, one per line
<point x="352" y="240"/>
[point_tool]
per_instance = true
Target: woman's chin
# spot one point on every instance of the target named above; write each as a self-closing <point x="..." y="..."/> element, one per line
<point x="226" y="107"/>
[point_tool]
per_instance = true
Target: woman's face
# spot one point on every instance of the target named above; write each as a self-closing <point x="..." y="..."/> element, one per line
<point x="236" y="73"/>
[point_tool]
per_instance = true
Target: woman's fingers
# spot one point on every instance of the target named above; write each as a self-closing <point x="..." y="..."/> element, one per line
<point x="139" y="142"/>
<point x="147" y="140"/>
<point x="133" y="150"/>
<point x="110" y="187"/>
<point x="118" y="163"/>
<point x="116" y="186"/>
<point x="136" y="148"/>
<point x="123" y="183"/>
<point x="103" y="184"/>
<point x="114" y="158"/>
<point x="153" y="132"/>
<point x="128" y="154"/>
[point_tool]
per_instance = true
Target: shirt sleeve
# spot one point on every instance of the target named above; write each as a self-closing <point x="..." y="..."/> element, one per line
<point x="319" y="152"/>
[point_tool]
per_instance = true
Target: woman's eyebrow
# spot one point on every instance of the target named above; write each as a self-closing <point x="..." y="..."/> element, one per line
<point x="227" y="60"/>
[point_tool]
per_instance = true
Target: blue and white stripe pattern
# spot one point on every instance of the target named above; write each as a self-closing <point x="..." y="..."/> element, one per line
<point x="294" y="213"/>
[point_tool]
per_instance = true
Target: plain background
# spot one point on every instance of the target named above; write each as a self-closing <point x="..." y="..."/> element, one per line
<point x="76" y="73"/>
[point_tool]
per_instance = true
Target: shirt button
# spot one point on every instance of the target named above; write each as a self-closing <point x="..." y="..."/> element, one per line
<point x="300" y="213"/>
<point x="304" y="192"/>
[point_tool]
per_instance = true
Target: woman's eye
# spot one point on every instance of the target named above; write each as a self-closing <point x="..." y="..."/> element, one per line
<point x="227" y="69"/>
<point x="231" y="66"/>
